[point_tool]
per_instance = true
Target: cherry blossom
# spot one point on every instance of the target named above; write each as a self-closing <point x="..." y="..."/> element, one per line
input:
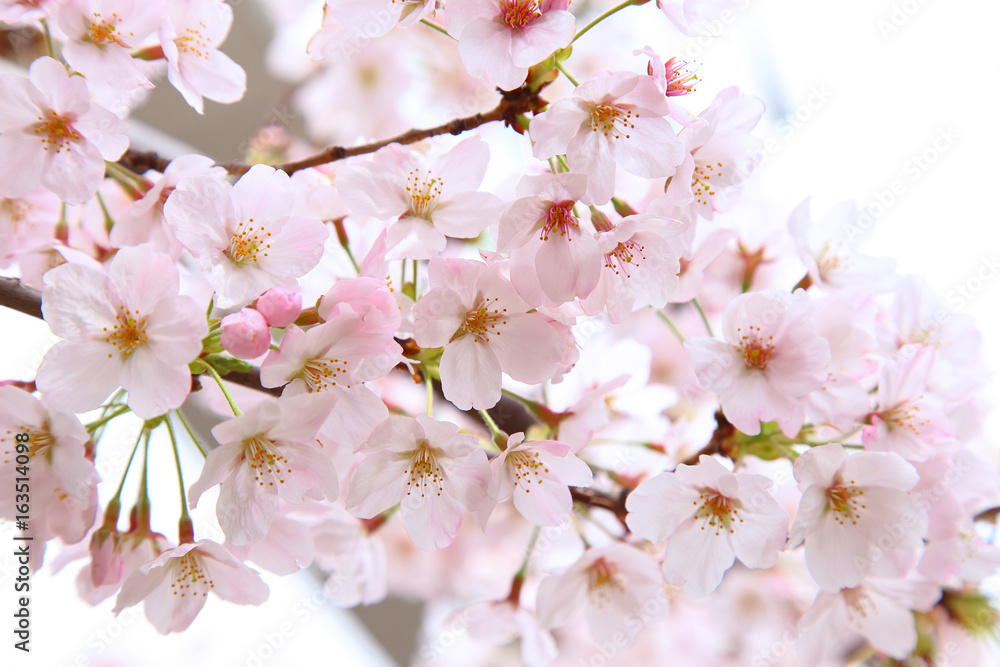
<point x="268" y="454"/>
<point x="247" y="236"/>
<point x="500" y="39"/>
<point x="855" y="511"/>
<point x="195" y="66"/>
<point x="708" y="510"/>
<point x="719" y="155"/>
<point x="618" y="588"/>
<point x="426" y="201"/>
<point x="279" y="306"/>
<point x="909" y="419"/>
<point x="61" y="138"/>
<point x="771" y="360"/>
<point x="879" y="611"/>
<point x="335" y="357"/>
<point x="553" y="254"/>
<point x="102" y="33"/>
<point x="485" y="328"/>
<point x="611" y="119"/>
<point x="176" y="583"/>
<point x="524" y="466"/>
<point x="126" y="329"/>
<point x="427" y="467"/>
<point x="641" y="265"/>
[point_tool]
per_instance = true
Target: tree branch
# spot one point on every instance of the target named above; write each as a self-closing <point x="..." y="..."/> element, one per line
<point x="513" y="102"/>
<point x="21" y="298"/>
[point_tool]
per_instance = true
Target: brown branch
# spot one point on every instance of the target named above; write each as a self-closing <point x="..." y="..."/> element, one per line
<point x="512" y="103"/>
<point x="20" y="297"/>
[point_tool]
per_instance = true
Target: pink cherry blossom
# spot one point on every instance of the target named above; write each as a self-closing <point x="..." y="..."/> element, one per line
<point x="485" y="328"/>
<point x="61" y="138"/>
<point x="63" y="481"/>
<point x="855" y="510"/>
<point x="114" y="560"/>
<point x="710" y="511"/>
<point x="828" y="250"/>
<point x="368" y="298"/>
<point x="279" y="306"/>
<point x="245" y="334"/>
<point x="265" y="455"/>
<point x="426" y="201"/>
<point x="176" y="584"/>
<point x="641" y="264"/>
<point x="501" y="622"/>
<point x="909" y="419"/>
<point x="771" y="360"/>
<point x="500" y="39"/>
<point x="26" y="223"/>
<point x="554" y="257"/>
<point x="337" y="357"/>
<point x="126" y="329"/>
<point x="195" y="66"/>
<point x="719" y="155"/>
<point x="617" y="587"/>
<point x="353" y="558"/>
<point x="102" y="33"/>
<point x="611" y="119"/>
<point x="427" y="467"/>
<point x="143" y="221"/>
<point x="524" y="467"/>
<point x="248" y="236"/>
<point x="878" y="611"/>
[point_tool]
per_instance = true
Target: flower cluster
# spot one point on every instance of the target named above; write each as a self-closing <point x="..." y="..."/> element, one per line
<point x="541" y="357"/>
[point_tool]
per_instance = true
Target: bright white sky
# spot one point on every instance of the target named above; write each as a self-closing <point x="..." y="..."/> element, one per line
<point x="892" y="90"/>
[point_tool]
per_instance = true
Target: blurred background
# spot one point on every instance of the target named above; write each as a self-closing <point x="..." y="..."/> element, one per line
<point x="888" y="102"/>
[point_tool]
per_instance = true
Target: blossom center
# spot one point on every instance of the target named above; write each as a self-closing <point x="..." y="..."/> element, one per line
<point x="248" y="243"/>
<point x="602" y="576"/>
<point x="518" y="13"/>
<point x="128" y="332"/>
<point x="192" y="41"/>
<point x="321" y="374"/>
<point x="424" y="473"/>
<point x="612" y="121"/>
<point x="560" y="218"/>
<point x="264" y="459"/>
<point x="717" y="510"/>
<point x="680" y="80"/>
<point x="424" y="192"/>
<point x="905" y="416"/>
<point x="190" y="577"/>
<point x="828" y="262"/>
<point x="626" y="253"/>
<point x="40" y="442"/>
<point x="55" y="131"/>
<point x="104" y="31"/>
<point x="701" y="180"/>
<point x="756" y="351"/>
<point x="843" y="500"/>
<point x="528" y="468"/>
<point x="483" y="321"/>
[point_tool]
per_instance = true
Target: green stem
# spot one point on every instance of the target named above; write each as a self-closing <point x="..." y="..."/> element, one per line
<point x="180" y="476"/>
<point x="499" y="437"/>
<point x="563" y="163"/>
<point x="435" y="26"/>
<point x="187" y="429"/>
<point x="663" y="316"/>
<point x="222" y="387"/>
<point x="104" y="420"/>
<point x="567" y="74"/>
<point x="48" y="39"/>
<point x="430" y="394"/>
<point x="613" y="10"/>
<point x="128" y="465"/>
<point x="523" y="570"/>
<point x="350" y="256"/>
<point x="108" y="220"/>
<point x="708" y="327"/>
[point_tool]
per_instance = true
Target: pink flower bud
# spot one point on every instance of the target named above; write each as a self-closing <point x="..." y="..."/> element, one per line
<point x="245" y="334"/>
<point x="280" y="306"/>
